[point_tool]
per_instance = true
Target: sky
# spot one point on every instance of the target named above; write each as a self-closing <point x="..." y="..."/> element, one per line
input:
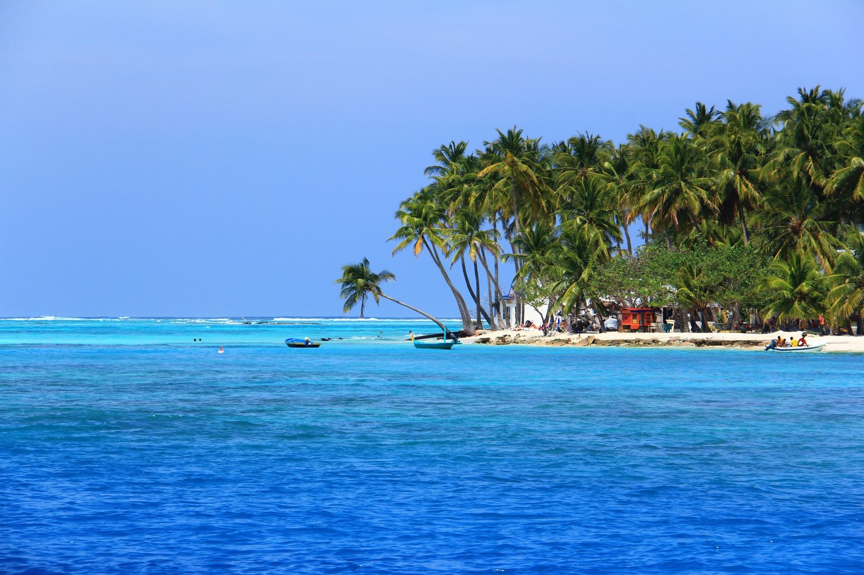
<point x="216" y="159"/>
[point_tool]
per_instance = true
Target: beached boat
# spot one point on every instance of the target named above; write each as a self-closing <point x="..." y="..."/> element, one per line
<point x="294" y="342"/>
<point x="447" y="344"/>
<point x="799" y="349"/>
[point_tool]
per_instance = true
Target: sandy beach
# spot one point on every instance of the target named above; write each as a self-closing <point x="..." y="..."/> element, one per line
<point x="749" y="341"/>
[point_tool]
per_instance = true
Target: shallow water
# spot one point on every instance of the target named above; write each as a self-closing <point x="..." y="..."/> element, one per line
<point x="127" y="448"/>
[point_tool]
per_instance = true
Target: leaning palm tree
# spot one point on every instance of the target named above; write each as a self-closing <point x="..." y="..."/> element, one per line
<point x="422" y="219"/>
<point x="359" y="282"/>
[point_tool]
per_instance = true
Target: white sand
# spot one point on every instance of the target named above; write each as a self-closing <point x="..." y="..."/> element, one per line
<point x="754" y="341"/>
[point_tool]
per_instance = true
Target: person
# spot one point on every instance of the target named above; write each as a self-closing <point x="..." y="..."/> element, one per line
<point x="221" y="349"/>
<point x="307" y="341"/>
<point x="781" y="342"/>
<point x="411" y="333"/>
<point x="821" y="324"/>
<point x="792" y="342"/>
<point x="803" y="342"/>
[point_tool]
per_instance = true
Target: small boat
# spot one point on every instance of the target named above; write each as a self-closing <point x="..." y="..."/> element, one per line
<point x="445" y="343"/>
<point x="294" y="342"/>
<point x="434" y="344"/>
<point x="799" y="349"/>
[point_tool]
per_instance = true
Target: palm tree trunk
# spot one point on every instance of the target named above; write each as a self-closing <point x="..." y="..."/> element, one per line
<point x="362" y="306"/>
<point x="479" y="306"/>
<point x="474" y="295"/>
<point x="489" y="274"/>
<point x="467" y="324"/>
<point x="500" y="295"/>
<point x="515" y="204"/>
<point x="629" y="242"/>
<point x="494" y="325"/>
<point x="746" y="235"/>
<point x="423" y="313"/>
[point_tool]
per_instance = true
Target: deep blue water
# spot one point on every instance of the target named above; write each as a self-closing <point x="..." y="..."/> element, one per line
<point x="125" y="447"/>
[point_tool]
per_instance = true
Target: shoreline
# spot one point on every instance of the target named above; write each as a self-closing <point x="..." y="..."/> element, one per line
<point x="745" y="341"/>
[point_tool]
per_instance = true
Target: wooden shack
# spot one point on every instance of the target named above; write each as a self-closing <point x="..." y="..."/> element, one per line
<point x="637" y="318"/>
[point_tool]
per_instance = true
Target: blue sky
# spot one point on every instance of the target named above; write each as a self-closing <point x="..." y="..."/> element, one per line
<point x="226" y="159"/>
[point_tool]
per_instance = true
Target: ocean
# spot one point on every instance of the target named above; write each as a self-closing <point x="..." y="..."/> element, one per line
<point x="128" y="446"/>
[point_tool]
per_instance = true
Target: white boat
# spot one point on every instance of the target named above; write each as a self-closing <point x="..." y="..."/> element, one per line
<point x="799" y="349"/>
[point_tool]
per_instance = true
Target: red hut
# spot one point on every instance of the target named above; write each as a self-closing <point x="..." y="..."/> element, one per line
<point x="637" y="318"/>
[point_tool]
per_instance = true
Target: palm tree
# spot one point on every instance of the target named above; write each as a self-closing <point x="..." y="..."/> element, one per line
<point x="515" y="162"/>
<point x="690" y="293"/>
<point x="468" y="237"/>
<point x="591" y="210"/>
<point x="577" y="159"/>
<point x="575" y="258"/>
<point x="422" y="217"/>
<point x="846" y="296"/>
<point x="678" y="193"/>
<point x="700" y="122"/>
<point x="619" y="180"/>
<point x="805" y="141"/>
<point x="848" y="180"/>
<point x="794" y="289"/>
<point x="793" y="220"/>
<point x="739" y="148"/>
<point x="644" y="149"/>
<point x="359" y="282"/>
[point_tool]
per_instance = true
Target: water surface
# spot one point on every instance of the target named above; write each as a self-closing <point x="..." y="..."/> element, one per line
<point x="125" y="447"/>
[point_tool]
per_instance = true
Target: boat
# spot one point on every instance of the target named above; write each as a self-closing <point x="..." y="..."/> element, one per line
<point x="443" y="344"/>
<point x="294" y="342"/>
<point x="434" y="344"/>
<point x="799" y="349"/>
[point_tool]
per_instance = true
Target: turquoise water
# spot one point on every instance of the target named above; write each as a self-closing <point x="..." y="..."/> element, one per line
<point x="125" y="447"/>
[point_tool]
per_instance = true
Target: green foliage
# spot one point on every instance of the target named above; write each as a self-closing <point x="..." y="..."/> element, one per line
<point x="736" y="191"/>
<point x="693" y="276"/>
<point x="794" y="289"/>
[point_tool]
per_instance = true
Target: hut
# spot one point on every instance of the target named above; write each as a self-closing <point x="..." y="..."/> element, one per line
<point x="637" y="318"/>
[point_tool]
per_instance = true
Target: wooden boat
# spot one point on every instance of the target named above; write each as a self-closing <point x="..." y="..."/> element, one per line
<point x="799" y="349"/>
<point x="294" y="342"/>
<point x="447" y="344"/>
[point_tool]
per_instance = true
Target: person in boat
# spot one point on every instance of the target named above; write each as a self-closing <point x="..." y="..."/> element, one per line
<point x="792" y="342"/>
<point x="411" y="333"/>
<point x="803" y="342"/>
<point x="781" y="342"/>
<point x="307" y="341"/>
